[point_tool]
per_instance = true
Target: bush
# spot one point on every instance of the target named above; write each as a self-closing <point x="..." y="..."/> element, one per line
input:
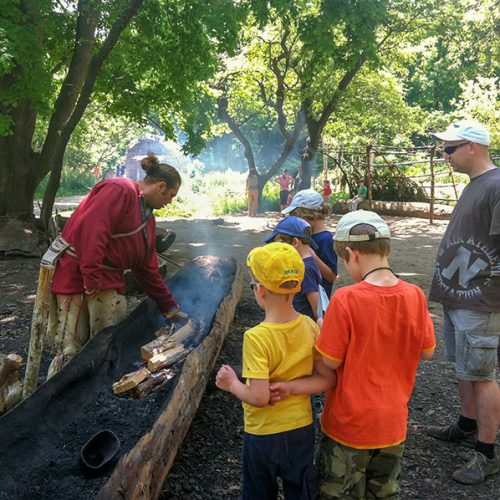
<point x="72" y="184"/>
<point x="270" y="201"/>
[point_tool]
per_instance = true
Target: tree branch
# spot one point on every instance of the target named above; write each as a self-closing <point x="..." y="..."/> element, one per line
<point x="64" y="130"/>
<point x="222" y="107"/>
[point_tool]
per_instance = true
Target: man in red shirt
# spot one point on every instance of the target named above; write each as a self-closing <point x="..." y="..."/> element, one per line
<point x="112" y="230"/>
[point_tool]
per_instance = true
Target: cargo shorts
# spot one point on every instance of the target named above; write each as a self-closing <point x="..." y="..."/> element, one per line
<point x="352" y="473"/>
<point x="471" y="340"/>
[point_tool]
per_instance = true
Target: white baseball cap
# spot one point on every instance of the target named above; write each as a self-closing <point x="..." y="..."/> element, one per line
<point x="307" y="198"/>
<point x="467" y="130"/>
<point x="351" y="219"/>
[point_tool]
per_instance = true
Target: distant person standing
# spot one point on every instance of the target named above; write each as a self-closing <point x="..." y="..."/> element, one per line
<point x="467" y="283"/>
<point x="252" y="186"/>
<point x="286" y="183"/>
<point x="327" y="191"/>
<point x="120" y="170"/>
<point x="96" y="172"/>
<point x="360" y="197"/>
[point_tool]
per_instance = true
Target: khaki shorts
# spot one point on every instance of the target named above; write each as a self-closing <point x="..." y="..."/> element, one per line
<point x="471" y="341"/>
<point x="74" y="319"/>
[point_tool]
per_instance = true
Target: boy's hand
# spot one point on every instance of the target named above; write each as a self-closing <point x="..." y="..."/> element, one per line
<point x="226" y="376"/>
<point x="279" y="391"/>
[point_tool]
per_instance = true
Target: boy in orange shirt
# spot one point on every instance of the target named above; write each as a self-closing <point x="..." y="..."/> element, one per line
<point x="374" y="334"/>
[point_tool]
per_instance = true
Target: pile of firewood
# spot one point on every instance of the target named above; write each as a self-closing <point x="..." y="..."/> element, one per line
<point x="11" y="388"/>
<point x="158" y="356"/>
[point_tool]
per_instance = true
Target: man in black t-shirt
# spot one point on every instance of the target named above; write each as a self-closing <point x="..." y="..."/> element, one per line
<point x="467" y="283"/>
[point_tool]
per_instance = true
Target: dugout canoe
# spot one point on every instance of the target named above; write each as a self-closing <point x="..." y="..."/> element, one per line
<point x="41" y="439"/>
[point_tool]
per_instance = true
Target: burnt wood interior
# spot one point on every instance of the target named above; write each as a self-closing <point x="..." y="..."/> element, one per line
<point x="41" y="438"/>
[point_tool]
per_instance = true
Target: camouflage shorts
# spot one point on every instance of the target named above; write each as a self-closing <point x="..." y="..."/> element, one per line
<point x="349" y="473"/>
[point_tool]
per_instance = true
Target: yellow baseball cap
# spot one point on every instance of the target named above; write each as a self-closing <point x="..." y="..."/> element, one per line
<point x="276" y="263"/>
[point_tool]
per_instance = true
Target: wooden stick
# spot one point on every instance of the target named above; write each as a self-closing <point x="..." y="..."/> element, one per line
<point x="167" y="358"/>
<point x="167" y="341"/>
<point x="10" y="386"/>
<point x="183" y="333"/>
<point x="153" y="382"/>
<point x="130" y="380"/>
<point x="154" y="347"/>
<point x="38" y="329"/>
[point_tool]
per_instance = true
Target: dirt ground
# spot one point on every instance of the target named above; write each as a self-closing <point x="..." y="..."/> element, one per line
<point x="208" y="464"/>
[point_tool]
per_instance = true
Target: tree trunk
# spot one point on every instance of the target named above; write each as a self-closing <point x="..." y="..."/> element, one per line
<point x="21" y="169"/>
<point x="18" y="179"/>
<point x="308" y="162"/>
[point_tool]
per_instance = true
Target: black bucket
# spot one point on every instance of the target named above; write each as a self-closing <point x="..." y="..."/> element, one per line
<point x="99" y="450"/>
<point x="164" y="239"/>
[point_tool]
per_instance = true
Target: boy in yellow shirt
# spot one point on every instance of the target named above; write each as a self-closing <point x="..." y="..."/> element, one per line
<point x="279" y="438"/>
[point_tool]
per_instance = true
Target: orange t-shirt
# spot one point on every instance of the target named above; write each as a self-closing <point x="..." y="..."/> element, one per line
<point x="378" y="333"/>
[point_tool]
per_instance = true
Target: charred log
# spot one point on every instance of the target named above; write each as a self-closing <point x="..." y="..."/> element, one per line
<point x="42" y="437"/>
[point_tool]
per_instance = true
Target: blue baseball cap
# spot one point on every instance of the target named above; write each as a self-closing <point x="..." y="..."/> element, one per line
<point x="295" y="227"/>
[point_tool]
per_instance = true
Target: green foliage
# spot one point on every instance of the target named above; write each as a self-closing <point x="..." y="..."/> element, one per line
<point x="229" y="203"/>
<point x="374" y="111"/>
<point x="162" y="60"/>
<point x="388" y="187"/>
<point x="270" y="201"/>
<point x="480" y="100"/>
<point x="216" y="194"/>
<point x="101" y="140"/>
<point x="458" y="43"/>
<point x="338" y="196"/>
<point x="134" y="60"/>
<point x="73" y="183"/>
<point x="181" y="206"/>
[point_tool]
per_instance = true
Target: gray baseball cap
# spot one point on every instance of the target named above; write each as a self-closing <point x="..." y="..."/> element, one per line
<point x="351" y="219"/>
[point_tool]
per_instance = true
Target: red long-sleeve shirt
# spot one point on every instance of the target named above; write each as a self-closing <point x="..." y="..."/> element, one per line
<point x="112" y="207"/>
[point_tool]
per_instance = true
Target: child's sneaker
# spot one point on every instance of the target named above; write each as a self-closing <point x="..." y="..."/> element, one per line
<point x="477" y="469"/>
<point x="453" y="433"/>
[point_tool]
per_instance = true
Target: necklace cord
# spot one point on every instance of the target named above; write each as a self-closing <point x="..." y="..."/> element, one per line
<point x="379" y="269"/>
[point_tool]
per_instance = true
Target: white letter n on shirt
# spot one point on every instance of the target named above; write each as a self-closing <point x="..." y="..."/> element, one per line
<point x="461" y="263"/>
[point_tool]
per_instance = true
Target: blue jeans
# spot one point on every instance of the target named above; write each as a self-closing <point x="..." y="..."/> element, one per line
<point x="288" y="455"/>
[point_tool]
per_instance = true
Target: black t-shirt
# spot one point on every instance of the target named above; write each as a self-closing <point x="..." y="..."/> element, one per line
<point x="467" y="274"/>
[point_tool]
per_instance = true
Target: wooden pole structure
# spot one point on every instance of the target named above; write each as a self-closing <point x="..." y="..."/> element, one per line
<point x="450" y="168"/>
<point x="325" y="164"/>
<point x="433" y="181"/>
<point x="340" y="157"/>
<point x="369" y="159"/>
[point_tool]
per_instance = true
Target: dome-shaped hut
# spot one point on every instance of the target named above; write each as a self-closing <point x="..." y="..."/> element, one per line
<point x="166" y="151"/>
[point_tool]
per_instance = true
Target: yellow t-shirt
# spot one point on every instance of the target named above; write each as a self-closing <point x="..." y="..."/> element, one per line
<point x="280" y="352"/>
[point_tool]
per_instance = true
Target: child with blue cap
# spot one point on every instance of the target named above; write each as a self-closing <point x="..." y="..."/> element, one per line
<point x="298" y="233"/>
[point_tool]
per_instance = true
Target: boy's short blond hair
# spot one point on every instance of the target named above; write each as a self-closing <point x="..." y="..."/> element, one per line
<point x="312" y="214"/>
<point x="380" y="247"/>
<point x="363" y="231"/>
<point x="286" y="238"/>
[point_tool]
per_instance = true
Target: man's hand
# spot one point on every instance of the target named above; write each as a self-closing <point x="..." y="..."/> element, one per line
<point x="176" y="315"/>
<point x="225" y="378"/>
<point x="279" y="391"/>
<point x="91" y="292"/>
